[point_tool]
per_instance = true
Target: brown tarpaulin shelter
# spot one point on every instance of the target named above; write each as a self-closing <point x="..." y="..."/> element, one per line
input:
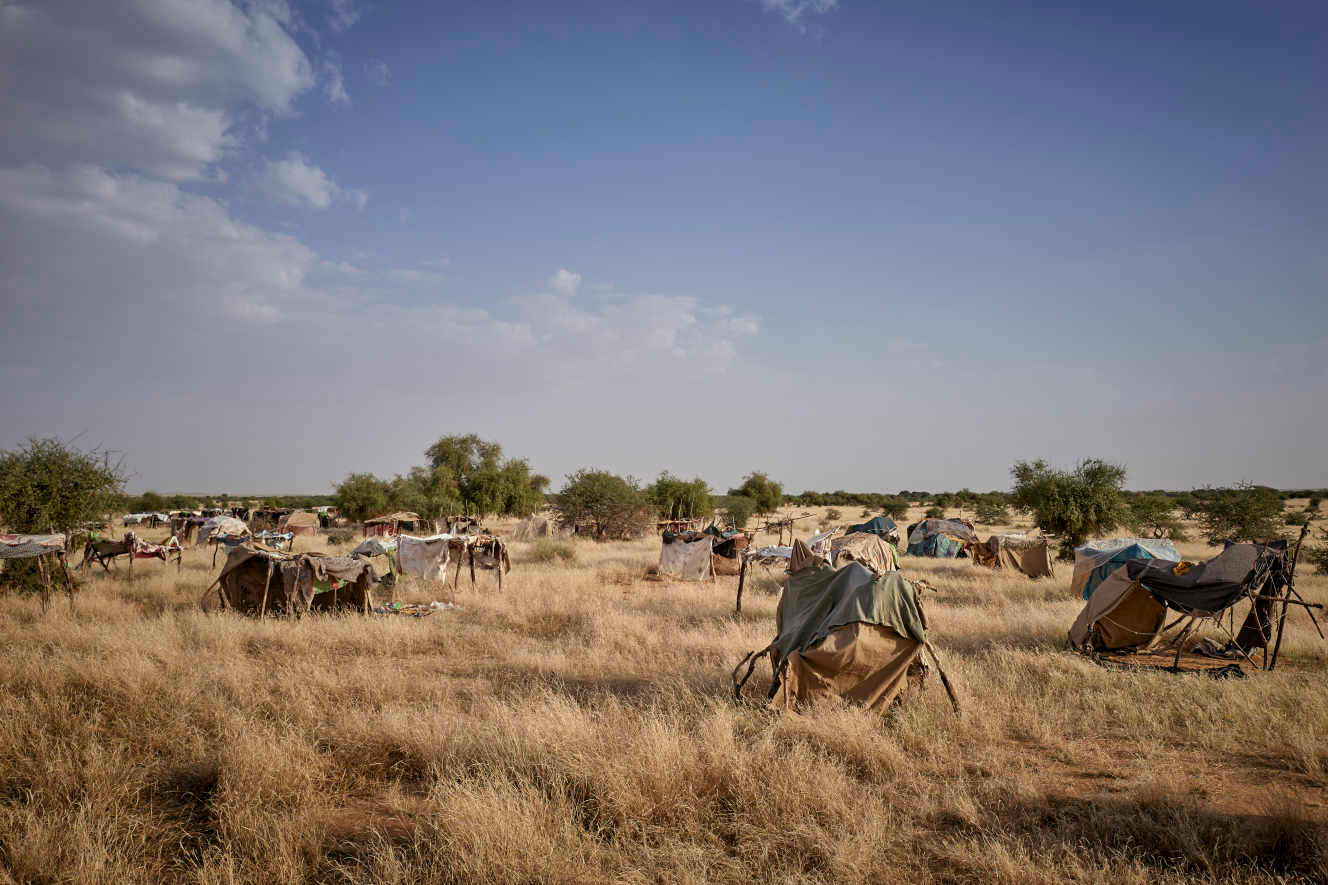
<point x="867" y="548"/>
<point x="1029" y="556"/>
<point x="255" y="581"/>
<point x="301" y="522"/>
<point x="847" y="633"/>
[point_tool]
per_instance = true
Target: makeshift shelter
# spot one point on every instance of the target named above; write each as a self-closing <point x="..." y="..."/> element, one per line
<point x="538" y="526"/>
<point x="1096" y="560"/>
<point x="870" y="549"/>
<point x="222" y="529"/>
<point x="485" y="552"/>
<point x="944" y="538"/>
<point x="42" y="548"/>
<point x="727" y="554"/>
<point x="276" y="540"/>
<point x="392" y="524"/>
<point x="380" y="545"/>
<point x="847" y="633"/>
<point x="877" y="525"/>
<point x="686" y="556"/>
<point x="1128" y="610"/>
<point x="255" y="581"/>
<point x="301" y="522"/>
<point x="423" y="557"/>
<point x="1028" y="555"/>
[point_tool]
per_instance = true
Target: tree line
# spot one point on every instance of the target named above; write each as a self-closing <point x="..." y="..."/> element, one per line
<point x="51" y="485"/>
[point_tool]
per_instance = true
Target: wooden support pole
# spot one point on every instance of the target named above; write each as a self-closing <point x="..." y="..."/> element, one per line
<point x="69" y="581"/>
<point x="742" y="577"/>
<point x="1286" y="596"/>
<point x="471" y="550"/>
<point x="46" y="583"/>
<point x="262" y="608"/>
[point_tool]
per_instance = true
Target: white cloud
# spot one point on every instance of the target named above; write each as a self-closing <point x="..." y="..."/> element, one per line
<point x="143" y="244"/>
<point x="565" y="281"/>
<point x="342" y="15"/>
<point x="334" y="83"/>
<point x="151" y="85"/>
<point x="794" y="10"/>
<point x="296" y="182"/>
<point x="378" y="73"/>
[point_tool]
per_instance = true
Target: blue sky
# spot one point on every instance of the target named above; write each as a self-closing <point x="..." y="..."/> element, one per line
<point x="257" y="246"/>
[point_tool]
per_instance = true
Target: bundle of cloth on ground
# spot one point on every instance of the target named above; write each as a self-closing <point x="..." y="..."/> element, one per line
<point x="1029" y="555"/>
<point x="256" y="581"/>
<point x="686" y="556"/>
<point x="848" y="633"/>
<point x="946" y="538"/>
<point x="1096" y="560"/>
<point x="1128" y="608"/>
<point x="380" y="545"/>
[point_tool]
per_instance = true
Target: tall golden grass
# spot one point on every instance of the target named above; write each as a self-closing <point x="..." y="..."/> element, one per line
<point x="578" y="727"/>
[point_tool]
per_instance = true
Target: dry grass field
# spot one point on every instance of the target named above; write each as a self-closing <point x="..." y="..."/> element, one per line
<point x="579" y="727"/>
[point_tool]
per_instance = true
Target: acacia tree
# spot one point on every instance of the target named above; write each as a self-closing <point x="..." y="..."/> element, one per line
<point x="767" y="493"/>
<point x="361" y="495"/>
<point x="1241" y="513"/>
<point x="611" y="505"/>
<point x="1155" y="515"/>
<point x="1072" y="504"/>
<point x="48" y="485"/>
<point x="676" y="498"/>
<point x="483" y="482"/>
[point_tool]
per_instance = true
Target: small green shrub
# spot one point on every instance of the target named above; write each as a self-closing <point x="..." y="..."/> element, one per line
<point x="833" y="515"/>
<point x="935" y="513"/>
<point x="993" y="514"/>
<point x="551" y="550"/>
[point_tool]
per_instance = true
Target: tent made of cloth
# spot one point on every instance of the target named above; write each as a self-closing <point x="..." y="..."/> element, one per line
<point x="1028" y="555"/>
<point x="392" y="523"/>
<point x="1096" y="560"/>
<point x="869" y="548"/>
<point x="946" y="538"/>
<point x="847" y="633"/>
<point x="221" y="528"/>
<point x="1127" y="609"/>
<point x="257" y="581"/>
<point x="686" y="557"/>
<point x="728" y="553"/>
<point x="1206" y="588"/>
<point x="424" y="557"/>
<point x="301" y="522"/>
<point x="538" y="526"/>
<point x="878" y="525"/>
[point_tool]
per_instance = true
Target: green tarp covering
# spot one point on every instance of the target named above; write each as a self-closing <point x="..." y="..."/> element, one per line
<point x="880" y="525"/>
<point x="816" y="600"/>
